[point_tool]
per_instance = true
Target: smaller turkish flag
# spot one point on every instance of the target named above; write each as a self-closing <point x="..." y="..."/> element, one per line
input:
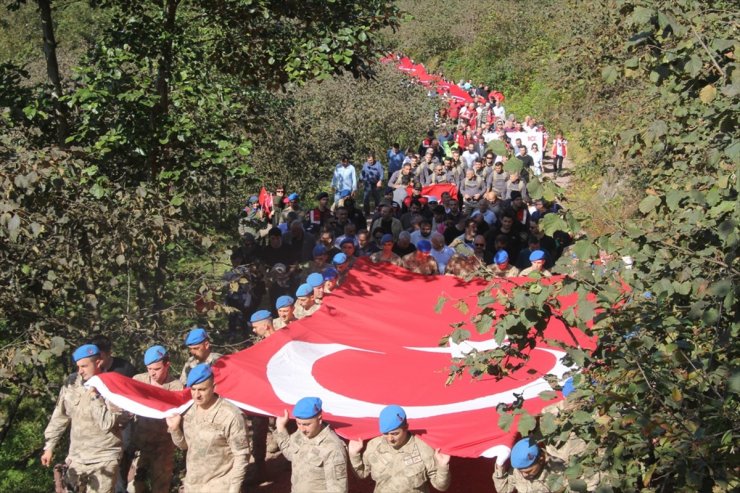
<point x="265" y="200"/>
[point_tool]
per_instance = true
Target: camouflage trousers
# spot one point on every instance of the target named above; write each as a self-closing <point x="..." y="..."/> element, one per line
<point x="100" y="477"/>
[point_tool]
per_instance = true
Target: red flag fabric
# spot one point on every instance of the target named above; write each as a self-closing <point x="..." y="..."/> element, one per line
<point x="265" y="201"/>
<point x="374" y="342"/>
<point x="436" y="190"/>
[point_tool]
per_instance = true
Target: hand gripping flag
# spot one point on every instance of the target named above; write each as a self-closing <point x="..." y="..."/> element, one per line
<point x="375" y="341"/>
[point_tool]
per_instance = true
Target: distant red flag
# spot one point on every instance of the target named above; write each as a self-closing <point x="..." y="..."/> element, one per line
<point x="265" y="200"/>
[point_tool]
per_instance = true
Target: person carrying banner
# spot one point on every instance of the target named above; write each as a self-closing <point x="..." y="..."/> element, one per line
<point x="285" y="310"/>
<point x="95" y="442"/>
<point x="399" y="460"/>
<point x="213" y="433"/>
<point x="199" y="346"/>
<point x="318" y="456"/>
<point x="153" y="450"/>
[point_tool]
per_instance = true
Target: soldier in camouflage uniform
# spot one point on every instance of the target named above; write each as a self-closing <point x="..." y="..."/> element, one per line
<point x="200" y="352"/>
<point x="399" y="460"/>
<point x="501" y="266"/>
<point x="154" y="452"/>
<point x="95" y="438"/>
<point x="285" y="309"/>
<point x="317" y="454"/>
<point x="420" y="261"/>
<point x="305" y="303"/>
<point x="213" y="433"/>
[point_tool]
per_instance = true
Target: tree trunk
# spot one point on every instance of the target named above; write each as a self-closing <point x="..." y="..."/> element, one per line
<point x="159" y="154"/>
<point x="52" y="70"/>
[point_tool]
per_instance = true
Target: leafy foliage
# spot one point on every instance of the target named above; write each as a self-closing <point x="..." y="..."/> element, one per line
<point x="313" y="126"/>
<point x="657" y="402"/>
<point x="103" y="234"/>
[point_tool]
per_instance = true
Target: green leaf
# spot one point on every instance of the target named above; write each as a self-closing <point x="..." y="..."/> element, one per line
<point x="440" y="304"/>
<point x="693" y="65"/>
<point x="505" y="420"/>
<point x="649" y="203"/>
<point x="526" y="424"/>
<point x="484" y="323"/>
<point x="548" y="424"/>
<point x="609" y="74"/>
<point x="548" y="395"/>
<point x="497" y="147"/>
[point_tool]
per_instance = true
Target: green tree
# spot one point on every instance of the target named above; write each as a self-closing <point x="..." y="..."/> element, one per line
<point x="657" y="402"/>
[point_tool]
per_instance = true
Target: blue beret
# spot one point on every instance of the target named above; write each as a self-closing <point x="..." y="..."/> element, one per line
<point x="339" y="258"/>
<point x="154" y="354"/>
<point x="85" y="351"/>
<point x="330" y="273"/>
<point x="536" y="255"/>
<point x="386" y="238"/>
<point x="501" y="257"/>
<point x="315" y="280"/>
<point x="424" y="246"/>
<point x="307" y="408"/>
<point x="284" y="301"/>
<point x="346" y="240"/>
<point x="524" y="453"/>
<point x="196" y="336"/>
<point x="253" y="199"/>
<point x="319" y="250"/>
<point x="391" y="417"/>
<point x="568" y="387"/>
<point x="260" y="315"/>
<point x="304" y="290"/>
<point x="199" y="374"/>
<point x="345" y="193"/>
<point x="293" y="196"/>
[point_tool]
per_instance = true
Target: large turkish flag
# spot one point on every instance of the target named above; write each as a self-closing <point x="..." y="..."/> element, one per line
<point x="374" y="342"/>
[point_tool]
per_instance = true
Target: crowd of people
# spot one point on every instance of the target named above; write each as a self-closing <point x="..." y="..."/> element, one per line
<point x="482" y="222"/>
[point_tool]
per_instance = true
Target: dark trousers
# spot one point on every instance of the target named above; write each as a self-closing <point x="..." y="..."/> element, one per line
<point x="557" y="163"/>
<point x="367" y="192"/>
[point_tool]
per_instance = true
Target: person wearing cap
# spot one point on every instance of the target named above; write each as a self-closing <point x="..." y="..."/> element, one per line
<point x="386" y="254"/>
<point x="501" y="266"/>
<point x="263" y="326"/>
<point x="317" y="455"/>
<point x="420" y="261"/>
<point x="292" y="206"/>
<point x="342" y="263"/>
<point x="153" y="450"/>
<point x="285" y="311"/>
<point x="344" y="178"/>
<point x="305" y="302"/>
<point x="330" y="275"/>
<point x="252" y="219"/>
<point x="316" y="281"/>
<point x="261" y="321"/>
<point x="199" y="347"/>
<point x="535" y="469"/>
<point x="95" y="442"/>
<point x="399" y="460"/>
<point x="212" y="432"/>
<point x="538" y="259"/>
